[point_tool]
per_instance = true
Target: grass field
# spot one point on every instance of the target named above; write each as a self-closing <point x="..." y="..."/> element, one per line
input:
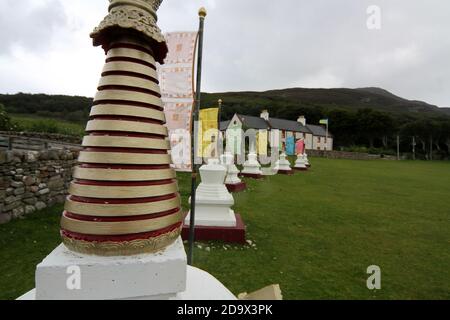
<point x="315" y="234"/>
<point x="47" y="125"/>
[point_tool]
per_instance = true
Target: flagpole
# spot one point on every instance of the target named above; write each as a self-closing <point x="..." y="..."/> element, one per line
<point x="195" y="114"/>
<point x="219" y="118"/>
<point x="326" y="140"/>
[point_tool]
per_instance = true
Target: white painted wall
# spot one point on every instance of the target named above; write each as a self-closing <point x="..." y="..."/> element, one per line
<point x="309" y="141"/>
<point x="319" y="143"/>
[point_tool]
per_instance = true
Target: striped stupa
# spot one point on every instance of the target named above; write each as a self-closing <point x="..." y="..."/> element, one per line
<point x="124" y="199"/>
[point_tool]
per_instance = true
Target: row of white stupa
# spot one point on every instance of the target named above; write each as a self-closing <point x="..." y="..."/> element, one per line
<point x="213" y="199"/>
<point x="66" y="275"/>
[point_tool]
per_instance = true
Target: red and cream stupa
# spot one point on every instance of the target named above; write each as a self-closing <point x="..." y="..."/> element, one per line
<point x="124" y="199"/>
<point x="122" y="221"/>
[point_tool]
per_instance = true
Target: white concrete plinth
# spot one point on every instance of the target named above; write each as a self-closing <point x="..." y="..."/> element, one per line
<point x="213" y="201"/>
<point x="283" y="164"/>
<point x="300" y="163"/>
<point x="252" y="166"/>
<point x="232" y="171"/>
<point x="161" y="275"/>
<point x="200" y="285"/>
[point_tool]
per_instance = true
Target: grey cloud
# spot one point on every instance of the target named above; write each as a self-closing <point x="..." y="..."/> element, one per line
<point x="259" y="45"/>
<point x="29" y="24"/>
<point x="266" y="44"/>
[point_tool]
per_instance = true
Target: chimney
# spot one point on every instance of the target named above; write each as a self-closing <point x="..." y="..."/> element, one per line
<point x="302" y="120"/>
<point x="265" y="115"/>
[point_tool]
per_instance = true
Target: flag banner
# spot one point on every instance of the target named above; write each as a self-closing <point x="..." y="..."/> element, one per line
<point x="290" y="146"/>
<point x="178" y="118"/>
<point x="324" y="121"/>
<point x="261" y="142"/>
<point x="300" y="147"/>
<point x="207" y="133"/>
<point x="234" y="139"/>
<point x="176" y="79"/>
<point x="275" y="139"/>
<point x="176" y="82"/>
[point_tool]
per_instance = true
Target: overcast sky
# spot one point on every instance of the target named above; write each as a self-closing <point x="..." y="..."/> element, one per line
<point x="249" y="45"/>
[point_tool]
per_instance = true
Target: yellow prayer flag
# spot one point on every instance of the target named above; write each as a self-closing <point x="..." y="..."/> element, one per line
<point x="261" y="142"/>
<point x="208" y="130"/>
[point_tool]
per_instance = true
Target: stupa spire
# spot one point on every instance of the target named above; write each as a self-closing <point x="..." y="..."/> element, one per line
<point x="124" y="199"/>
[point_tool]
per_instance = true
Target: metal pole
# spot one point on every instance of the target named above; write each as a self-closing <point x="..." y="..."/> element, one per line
<point x="431" y="148"/>
<point x="326" y="139"/>
<point x="414" y="147"/>
<point x="219" y="118"/>
<point x="202" y="15"/>
<point x="398" y="147"/>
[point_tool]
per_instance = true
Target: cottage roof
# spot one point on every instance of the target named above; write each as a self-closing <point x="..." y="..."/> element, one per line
<point x="287" y="125"/>
<point x="253" y="122"/>
<point x="318" y="130"/>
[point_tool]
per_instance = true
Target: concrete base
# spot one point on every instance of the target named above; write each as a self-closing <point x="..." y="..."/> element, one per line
<point x="301" y="169"/>
<point x="237" y="187"/>
<point x="251" y="175"/>
<point x="200" y="285"/>
<point x="226" y="234"/>
<point x="286" y="172"/>
<point x="212" y="216"/>
<point x="159" y="275"/>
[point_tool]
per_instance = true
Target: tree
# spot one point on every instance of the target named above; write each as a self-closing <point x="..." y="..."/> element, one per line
<point x="5" y="120"/>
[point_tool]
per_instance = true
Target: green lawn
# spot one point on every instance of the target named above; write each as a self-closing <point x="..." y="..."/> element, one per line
<point x="315" y="234"/>
<point x="40" y="124"/>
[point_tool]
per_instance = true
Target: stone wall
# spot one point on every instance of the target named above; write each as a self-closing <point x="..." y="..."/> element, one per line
<point x="44" y="136"/>
<point x="347" y="155"/>
<point x="31" y="181"/>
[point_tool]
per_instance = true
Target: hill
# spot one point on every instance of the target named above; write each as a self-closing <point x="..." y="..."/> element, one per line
<point x="342" y="98"/>
<point x="446" y="110"/>
<point x="370" y="117"/>
<point x="75" y="108"/>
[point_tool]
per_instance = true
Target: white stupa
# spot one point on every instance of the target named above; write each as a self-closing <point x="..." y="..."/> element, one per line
<point x="306" y="160"/>
<point x="283" y="165"/>
<point x="300" y="163"/>
<point x="213" y="201"/>
<point x="252" y="168"/>
<point x="232" y="181"/>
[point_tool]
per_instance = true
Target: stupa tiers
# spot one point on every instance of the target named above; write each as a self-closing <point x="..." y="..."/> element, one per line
<point x="308" y="165"/>
<point x="300" y="163"/>
<point x="283" y="165"/>
<point x="214" y="218"/>
<point x="124" y="199"/>
<point x="251" y="167"/>
<point x="122" y="221"/>
<point x="232" y="181"/>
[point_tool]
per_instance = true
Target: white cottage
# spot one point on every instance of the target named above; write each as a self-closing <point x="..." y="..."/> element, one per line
<point x="281" y="130"/>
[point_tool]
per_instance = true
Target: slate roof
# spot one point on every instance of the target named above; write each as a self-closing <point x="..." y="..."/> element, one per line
<point x="318" y="130"/>
<point x="275" y="123"/>
<point x="287" y="125"/>
<point x="253" y="122"/>
<point x="224" y="125"/>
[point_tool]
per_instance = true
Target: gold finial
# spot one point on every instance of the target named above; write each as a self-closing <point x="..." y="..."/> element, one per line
<point x="202" y="12"/>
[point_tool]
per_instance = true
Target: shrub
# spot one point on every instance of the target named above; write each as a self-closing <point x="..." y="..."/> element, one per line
<point x="5" y="121"/>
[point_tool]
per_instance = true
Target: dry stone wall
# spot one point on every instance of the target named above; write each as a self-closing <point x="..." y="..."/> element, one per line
<point x="32" y="181"/>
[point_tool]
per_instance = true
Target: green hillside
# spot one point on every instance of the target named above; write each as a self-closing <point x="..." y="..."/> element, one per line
<point x="365" y="117"/>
